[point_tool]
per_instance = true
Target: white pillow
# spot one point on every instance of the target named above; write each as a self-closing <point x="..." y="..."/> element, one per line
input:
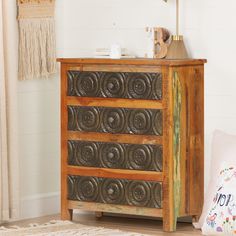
<point x="221" y="216"/>
<point x="223" y="151"/>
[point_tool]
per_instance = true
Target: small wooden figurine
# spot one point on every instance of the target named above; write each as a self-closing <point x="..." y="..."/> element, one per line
<point x="159" y="42"/>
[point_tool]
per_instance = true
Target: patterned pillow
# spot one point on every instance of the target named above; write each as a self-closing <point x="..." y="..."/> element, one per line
<point x="221" y="217"/>
<point x="223" y="151"/>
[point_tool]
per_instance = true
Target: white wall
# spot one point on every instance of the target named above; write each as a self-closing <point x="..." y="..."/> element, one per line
<point x="82" y="25"/>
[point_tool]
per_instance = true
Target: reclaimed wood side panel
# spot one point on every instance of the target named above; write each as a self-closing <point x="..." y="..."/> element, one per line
<point x="178" y="160"/>
<point x="196" y="140"/>
<point x="177" y="108"/>
<point x="169" y="223"/>
<point x="184" y="75"/>
<point x="66" y="214"/>
<point x="192" y="140"/>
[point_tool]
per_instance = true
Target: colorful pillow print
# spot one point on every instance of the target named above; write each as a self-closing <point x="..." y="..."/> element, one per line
<point x="221" y="217"/>
<point x="223" y="154"/>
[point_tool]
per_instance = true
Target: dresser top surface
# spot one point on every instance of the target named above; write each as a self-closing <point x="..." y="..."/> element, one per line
<point x="136" y="61"/>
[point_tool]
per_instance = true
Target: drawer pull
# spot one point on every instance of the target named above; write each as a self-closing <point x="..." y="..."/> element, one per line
<point x="111" y="119"/>
<point x="111" y="85"/>
<point x="111" y="191"/>
<point x="111" y="155"/>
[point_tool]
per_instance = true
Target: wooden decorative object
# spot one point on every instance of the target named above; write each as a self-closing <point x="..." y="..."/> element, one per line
<point x="161" y="38"/>
<point x="132" y="137"/>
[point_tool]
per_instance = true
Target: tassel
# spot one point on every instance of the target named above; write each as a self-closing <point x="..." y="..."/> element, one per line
<point x="37" y="43"/>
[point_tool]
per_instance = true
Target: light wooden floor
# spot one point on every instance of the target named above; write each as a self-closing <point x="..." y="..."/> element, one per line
<point x="146" y="226"/>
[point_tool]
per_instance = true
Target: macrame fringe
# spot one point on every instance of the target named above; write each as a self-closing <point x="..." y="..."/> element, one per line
<point x="37" y="48"/>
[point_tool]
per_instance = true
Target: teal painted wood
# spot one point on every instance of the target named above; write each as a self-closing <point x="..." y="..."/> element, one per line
<point x="177" y="143"/>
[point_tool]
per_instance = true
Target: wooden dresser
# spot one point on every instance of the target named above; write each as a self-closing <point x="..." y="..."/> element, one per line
<point x="132" y="137"/>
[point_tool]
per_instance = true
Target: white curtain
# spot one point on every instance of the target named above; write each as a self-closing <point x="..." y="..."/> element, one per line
<point x="9" y="165"/>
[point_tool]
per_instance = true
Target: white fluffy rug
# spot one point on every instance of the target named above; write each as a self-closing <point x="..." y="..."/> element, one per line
<point x="62" y="228"/>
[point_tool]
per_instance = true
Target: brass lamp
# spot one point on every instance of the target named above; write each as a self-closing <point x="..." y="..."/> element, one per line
<point x="177" y="49"/>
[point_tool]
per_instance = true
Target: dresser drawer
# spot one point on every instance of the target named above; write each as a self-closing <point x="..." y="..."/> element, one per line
<point x="115" y="85"/>
<point x="115" y="120"/>
<point x="115" y="191"/>
<point x="115" y="155"/>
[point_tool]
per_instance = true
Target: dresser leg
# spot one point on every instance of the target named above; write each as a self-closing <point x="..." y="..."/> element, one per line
<point x="67" y="214"/>
<point x="195" y="219"/>
<point x="169" y="226"/>
<point x="98" y="214"/>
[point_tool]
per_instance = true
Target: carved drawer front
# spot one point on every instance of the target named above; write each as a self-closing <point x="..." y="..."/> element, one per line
<point x="115" y="85"/>
<point x="115" y="191"/>
<point x="115" y="155"/>
<point x="115" y="120"/>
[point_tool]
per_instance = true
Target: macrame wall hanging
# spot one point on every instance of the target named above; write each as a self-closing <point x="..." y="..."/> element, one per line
<point x="37" y="44"/>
